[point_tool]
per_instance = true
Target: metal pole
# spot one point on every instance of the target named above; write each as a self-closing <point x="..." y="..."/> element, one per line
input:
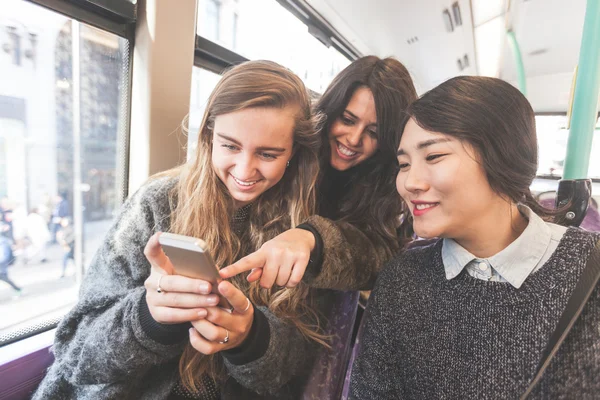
<point x="585" y="100"/>
<point x="77" y="200"/>
<point x="514" y="46"/>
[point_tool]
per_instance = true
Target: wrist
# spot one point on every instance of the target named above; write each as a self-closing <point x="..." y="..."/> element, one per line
<point x="244" y="336"/>
<point x="308" y="237"/>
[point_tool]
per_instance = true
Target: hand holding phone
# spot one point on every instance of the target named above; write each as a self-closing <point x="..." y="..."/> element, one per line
<point x="190" y="257"/>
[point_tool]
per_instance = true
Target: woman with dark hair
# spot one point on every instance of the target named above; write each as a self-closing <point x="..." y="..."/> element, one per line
<point x="359" y="213"/>
<point x="470" y="315"/>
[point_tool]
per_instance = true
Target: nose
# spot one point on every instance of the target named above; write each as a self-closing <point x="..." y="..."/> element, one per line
<point x="415" y="180"/>
<point x="245" y="166"/>
<point x="354" y="136"/>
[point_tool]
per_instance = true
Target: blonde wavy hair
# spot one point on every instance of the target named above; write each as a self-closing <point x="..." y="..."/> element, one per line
<point x="203" y="208"/>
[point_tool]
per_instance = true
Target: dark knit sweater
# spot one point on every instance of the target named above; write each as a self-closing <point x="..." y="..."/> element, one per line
<point x="426" y="337"/>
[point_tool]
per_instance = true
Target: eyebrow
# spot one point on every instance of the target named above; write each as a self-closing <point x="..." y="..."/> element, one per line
<point x="262" y="148"/>
<point x="425" y="144"/>
<point x="355" y="117"/>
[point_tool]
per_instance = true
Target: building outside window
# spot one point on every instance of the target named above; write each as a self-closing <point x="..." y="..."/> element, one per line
<point x="37" y="150"/>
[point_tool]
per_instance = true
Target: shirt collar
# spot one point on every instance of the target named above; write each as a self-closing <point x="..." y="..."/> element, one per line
<point x="516" y="262"/>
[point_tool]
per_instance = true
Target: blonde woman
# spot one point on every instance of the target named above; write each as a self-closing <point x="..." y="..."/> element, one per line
<point x="252" y="178"/>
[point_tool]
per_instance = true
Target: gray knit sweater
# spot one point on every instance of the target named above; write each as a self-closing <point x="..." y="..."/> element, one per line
<point x="426" y="337"/>
<point x="104" y="351"/>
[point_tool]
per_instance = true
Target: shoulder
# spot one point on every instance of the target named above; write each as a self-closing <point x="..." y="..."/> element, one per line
<point x="576" y="244"/>
<point x="156" y="189"/>
<point x="403" y="268"/>
<point x="416" y="254"/>
<point x="580" y="238"/>
<point x="153" y="196"/>
<point x="149" y="207"/>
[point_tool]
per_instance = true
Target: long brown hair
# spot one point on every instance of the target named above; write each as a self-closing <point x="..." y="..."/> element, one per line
<point x="393" y="90"/>
<point x="494" y="118"/>
<point x="202" y="206"/>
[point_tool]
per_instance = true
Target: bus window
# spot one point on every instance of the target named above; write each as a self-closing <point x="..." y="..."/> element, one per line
<point x="203" y="83"/>
<point x="263" y="29"/>
<point x="552" y="142"/>
<point x="63" y="123"/>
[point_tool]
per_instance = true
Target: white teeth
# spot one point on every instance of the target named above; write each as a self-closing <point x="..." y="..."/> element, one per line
<point x="424" y="206"/>
<point x="242" y="182"/>
<point x="346" y="151"/>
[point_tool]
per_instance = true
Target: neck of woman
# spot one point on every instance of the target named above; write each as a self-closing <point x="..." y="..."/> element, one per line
<point x="494" y="232"/>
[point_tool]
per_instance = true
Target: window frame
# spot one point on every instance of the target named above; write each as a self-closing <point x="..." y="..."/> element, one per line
<point x="114" y="16"/>
<point x="216" y="58"/>
<point x="118" y="17"/>
<point x="320" y="28"/>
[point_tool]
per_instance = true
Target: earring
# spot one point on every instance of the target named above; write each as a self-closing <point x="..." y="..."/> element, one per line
<point x="288" y="164"/>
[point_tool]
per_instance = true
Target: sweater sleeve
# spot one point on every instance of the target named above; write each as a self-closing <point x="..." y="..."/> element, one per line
<point x="102" y="340"/>
<point x="351" y="259"/>
<point x="289" y="354"/>
<point x="375" y="371"/>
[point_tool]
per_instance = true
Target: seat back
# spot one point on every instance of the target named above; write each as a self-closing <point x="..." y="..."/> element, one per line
<point x="329" y="371"/>
<point x="591" y="221"/>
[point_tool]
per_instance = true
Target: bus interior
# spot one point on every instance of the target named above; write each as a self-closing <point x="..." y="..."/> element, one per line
<point x="98" y="95"/>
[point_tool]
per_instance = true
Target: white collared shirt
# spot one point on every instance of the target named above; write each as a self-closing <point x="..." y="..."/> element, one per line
<point x="528" y="253"/>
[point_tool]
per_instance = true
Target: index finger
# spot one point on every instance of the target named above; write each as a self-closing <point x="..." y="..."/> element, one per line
<point x="251" y="261"/>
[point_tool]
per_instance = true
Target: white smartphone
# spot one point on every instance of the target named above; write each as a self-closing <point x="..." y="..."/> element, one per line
<point x="190" y="257"/>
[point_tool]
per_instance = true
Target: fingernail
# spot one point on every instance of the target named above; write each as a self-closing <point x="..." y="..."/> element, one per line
<point x="204" y="287"/>
<point x="202" y="313"/>
<point x="191" y="330"/>
<point x="212" y="300"/>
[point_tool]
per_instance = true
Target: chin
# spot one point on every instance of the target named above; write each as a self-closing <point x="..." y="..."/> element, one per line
<point x="240" y="198"/>
<point x="338" y="167"/>
<point x="341" y="165"/>
<point x="425" y="233"/>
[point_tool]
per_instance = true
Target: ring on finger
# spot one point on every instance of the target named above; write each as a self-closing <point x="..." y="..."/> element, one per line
<point x="226" y="338"/>
<point x="158" y="288"/>
<point x="247" y="305"/>
<point x="227" y="310"/>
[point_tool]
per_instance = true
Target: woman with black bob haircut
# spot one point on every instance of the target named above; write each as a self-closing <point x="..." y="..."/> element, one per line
<point x="470" y="315"/>
<point x="357" y="228"/>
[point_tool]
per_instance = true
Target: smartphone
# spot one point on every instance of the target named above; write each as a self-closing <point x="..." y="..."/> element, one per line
<point x="190" y="257"/>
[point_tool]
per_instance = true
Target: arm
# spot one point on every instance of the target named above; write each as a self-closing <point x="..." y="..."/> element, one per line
<point x="351" y="258"/>
<point x="102" y="339"/>
<point x="322" y="253"/>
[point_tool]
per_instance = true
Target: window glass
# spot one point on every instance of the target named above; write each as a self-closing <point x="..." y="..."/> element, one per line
<point x="203" y="83"/>
<point x="263" y="29"/>
<point x="213" y="11"/>
<point x="552" y="138"/>
<point x="38" y="182"/>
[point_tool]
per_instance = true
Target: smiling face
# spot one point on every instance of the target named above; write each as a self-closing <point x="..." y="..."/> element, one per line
<point x="353" y="135"/>
<point x="250" y="150"/>
<point x="444" y="186"/>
